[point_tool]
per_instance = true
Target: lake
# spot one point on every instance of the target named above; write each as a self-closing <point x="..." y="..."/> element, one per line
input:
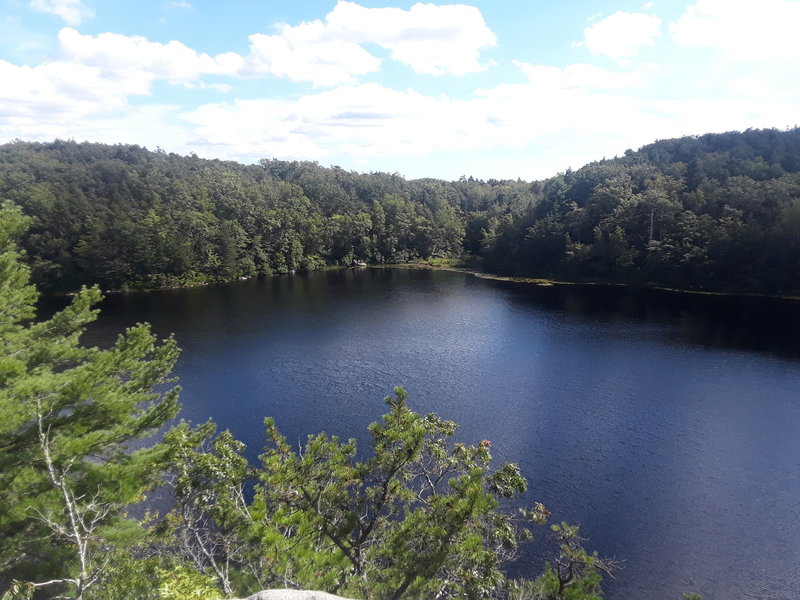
<point x="667" y="425"/>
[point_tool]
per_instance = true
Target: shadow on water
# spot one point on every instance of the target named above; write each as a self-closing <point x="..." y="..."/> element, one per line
<point x="748" y="323"/>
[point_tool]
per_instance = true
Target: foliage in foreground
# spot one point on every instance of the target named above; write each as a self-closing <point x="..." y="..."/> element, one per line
<point x="418" y="517"/>
<point x="68" y="418"/>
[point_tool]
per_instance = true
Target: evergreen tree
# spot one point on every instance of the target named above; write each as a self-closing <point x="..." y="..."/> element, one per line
<point x="74" y="422"/>
<point x="419" y="517"/>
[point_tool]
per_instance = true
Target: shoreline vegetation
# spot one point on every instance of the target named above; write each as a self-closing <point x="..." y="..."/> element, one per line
<point x="459" y="266"/>
<point x="718" y="213"/>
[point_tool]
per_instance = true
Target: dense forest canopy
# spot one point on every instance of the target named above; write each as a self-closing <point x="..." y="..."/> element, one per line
<point x="717" y="212"/>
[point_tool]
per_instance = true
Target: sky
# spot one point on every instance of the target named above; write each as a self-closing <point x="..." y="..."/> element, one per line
<point x="493" y="89"/>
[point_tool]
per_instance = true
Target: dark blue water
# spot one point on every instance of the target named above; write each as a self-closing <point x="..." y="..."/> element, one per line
<point x="667" y="425"/>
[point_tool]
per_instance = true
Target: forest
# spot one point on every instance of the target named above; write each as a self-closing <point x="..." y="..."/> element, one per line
<point x="718" y="212"/>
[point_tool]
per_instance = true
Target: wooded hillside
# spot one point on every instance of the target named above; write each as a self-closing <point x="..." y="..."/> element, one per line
<point x="712" y="212"/>
<point x="719" y="211"/>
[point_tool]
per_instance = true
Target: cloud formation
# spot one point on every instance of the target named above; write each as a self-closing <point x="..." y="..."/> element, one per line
<point x="97" y="75"/>
<point x="742" y="29"/>
<point x="579" y="75"/>
<point x="622" y="34"/>
<point x="430" y="39"/>
<point x="119" y="57"/>
<point x="307" y="53"/>
<point x="72" y="11"/>
<point x="104" y="87"/>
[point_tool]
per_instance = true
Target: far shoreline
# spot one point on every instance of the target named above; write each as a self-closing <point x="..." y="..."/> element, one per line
<point x="453" y="266"/>
<point x="545" y="282"/>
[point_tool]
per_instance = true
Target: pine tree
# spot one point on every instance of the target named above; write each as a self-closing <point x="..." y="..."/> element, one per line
<point x="417" y="517"/>
<point x="74" y="429"/>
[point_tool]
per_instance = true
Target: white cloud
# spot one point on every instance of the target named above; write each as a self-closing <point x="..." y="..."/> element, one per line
<point x="306" y="53"/>
<point x="622" y="34"/>
<point x="752" y="87"/>
<point x="582" y="112"/>
<point x="361" y="120"/>
<point x="72" y="11"/>
<point x="59" y="91"/>
<point x="579" y="76"/>
<point x="94" y="77"/>
<point x="430" y="39"/>
<point x="329" y="52"/>
<point x="122" y="58"/>
<point x="370" y="120"/>
<point x="741" y="28"/>
<point x="150" y="126"/>
<point x="703" y="115"/>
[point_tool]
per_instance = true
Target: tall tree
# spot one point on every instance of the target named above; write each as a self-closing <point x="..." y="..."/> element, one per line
<point x="72" y="421"/>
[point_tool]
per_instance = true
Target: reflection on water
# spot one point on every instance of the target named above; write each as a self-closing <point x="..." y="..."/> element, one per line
<point x="665" y="424"/>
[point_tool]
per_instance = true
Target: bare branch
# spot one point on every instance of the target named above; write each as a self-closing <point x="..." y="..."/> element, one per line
<point x="83" y="517"/>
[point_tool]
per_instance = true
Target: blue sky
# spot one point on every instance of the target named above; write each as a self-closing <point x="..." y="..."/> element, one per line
<point x="490" y="89"/>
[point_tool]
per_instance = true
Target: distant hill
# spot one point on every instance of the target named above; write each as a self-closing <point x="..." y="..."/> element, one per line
<point x="719" y="211"/>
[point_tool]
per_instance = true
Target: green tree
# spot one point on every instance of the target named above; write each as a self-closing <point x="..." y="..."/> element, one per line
<point x="211" y="519"/>
<point x="573" y="575"/>
<point x="71" y="424"/>
<point x="419" y="517"/>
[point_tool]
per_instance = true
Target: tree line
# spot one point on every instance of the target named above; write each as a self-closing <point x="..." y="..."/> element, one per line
<point x="125" y="217"/>
<point x="715" y="212"/>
